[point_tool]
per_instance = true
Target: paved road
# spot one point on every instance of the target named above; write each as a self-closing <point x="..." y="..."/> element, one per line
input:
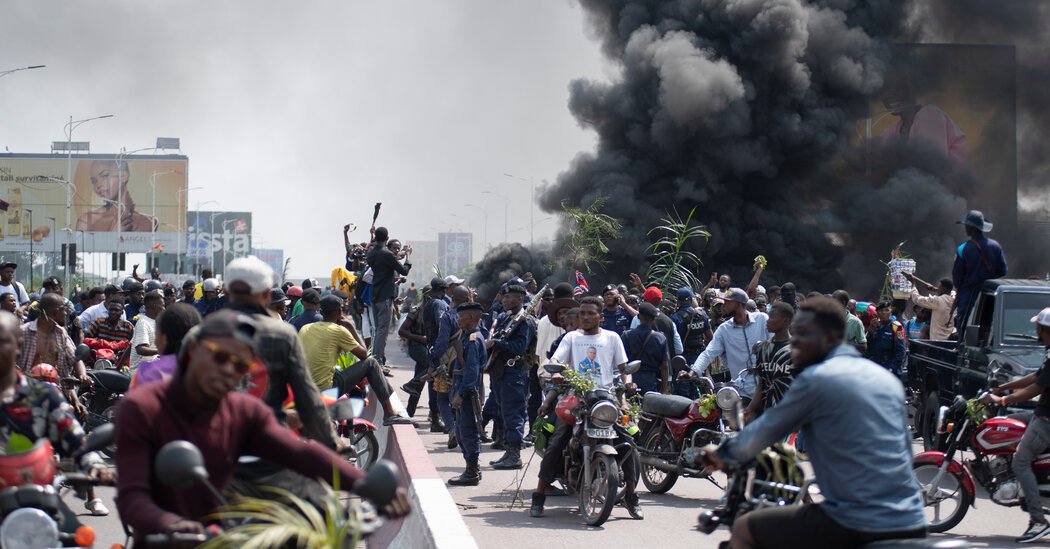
<point x="496" y="516"/>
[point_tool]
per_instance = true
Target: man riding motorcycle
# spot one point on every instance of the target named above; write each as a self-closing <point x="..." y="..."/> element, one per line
<point x="853" y="416"/>
<point x="575" y="349"/>
<point x="1036" y="436"/>
<point x="199" y="404"/>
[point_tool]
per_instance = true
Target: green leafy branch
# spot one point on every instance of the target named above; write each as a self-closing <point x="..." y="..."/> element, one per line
<point x="589" y="230"/>
<point x="674" y="266"/>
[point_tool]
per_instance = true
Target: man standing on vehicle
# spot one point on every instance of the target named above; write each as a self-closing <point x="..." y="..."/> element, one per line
<point x="1036" y="436"/>
<point x="939" y="304"/>
<point x="852" y="414"/>
<point x="385" y="268"/>
<point x="976" y="260"/>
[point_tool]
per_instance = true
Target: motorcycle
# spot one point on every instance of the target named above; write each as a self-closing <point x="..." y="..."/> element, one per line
<point x="31" y="508"/>
<point x="101" y="397"/>
<point x="359" y="434"/>
<point x="946" y="480"/>
<point x="600" y="446"/>
<point x="673" y="427"/>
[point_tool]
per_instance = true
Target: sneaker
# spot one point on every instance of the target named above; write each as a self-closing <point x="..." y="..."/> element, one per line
<point x="1035" y="531"/>
<point x="631" y="502"/>
<point x="386" y="371"/>
<point x="96" y="507"/>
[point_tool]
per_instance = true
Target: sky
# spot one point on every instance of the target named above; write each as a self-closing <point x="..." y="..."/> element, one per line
<point x="307" y="114"/>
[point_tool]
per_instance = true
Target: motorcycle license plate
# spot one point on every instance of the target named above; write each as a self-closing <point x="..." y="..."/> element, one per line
<point x="601" y="433"/>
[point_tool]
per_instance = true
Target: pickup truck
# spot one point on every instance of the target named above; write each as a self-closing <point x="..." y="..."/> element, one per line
<point x="998" y="344"/>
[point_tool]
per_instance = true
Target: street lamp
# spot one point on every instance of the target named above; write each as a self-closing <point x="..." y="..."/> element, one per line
<point x="224" y="222"/>
<point x="120" y="224"/>
<point x="532" y="205"/>
<point x="68" y="130"/>
<point x="54" y="238"/>
<point x="484" y="211"/>
<point x="505" y="210"/>
<point x="153" y="225"/>
<point x="196" y="228"/>
<point x="211" y="244"/>
<point x="31" y="256"/>
<point x="181" y="220"/>
<point x="9" y="71"/>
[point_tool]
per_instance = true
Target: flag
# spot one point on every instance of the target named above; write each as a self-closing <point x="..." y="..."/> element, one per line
<point x="158" y="248"/>
<point x="581" y="285"/>
<point x="4" y="205"/>
<point x="240" y="226"/>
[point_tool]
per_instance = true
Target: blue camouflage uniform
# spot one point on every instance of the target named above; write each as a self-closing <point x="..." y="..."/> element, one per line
<point x="448" y="325"/>
<point x="510" y="377"/>
<point x="887" y="347"/>
<point x="466" y="382"/>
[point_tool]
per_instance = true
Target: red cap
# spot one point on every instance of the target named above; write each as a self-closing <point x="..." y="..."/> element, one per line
<point x="653" y="295"/>
<point x="295" y="291"/>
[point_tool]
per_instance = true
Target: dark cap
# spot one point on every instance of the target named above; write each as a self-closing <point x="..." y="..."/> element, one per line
<point x="437" y="284"/>
<point x="223" y="323"/>
<point x="135" y="287"/>
<point x="51" y="282"/>
<point x="648" y="310"/>
<point x="469" y="307"/>
<point x="311" y="296"/>
<point x="516" y="289"/>
<point x="684" y="293"/>
<point x="8" y="264"/>
<point x="331" y="303"/>
<point x="111" y="289"/>
<point x="189" y="284"/>
<point x="610" y="288"/>
<point x="562" y="289"/>
<point x="277" y="296"/>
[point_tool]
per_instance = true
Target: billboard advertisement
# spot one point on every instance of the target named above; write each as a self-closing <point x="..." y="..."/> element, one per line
<point x="145" y="196"/>
<point x="274" y="257"/>
<point x="215" y="238"/>
<point x="454" y="252"/>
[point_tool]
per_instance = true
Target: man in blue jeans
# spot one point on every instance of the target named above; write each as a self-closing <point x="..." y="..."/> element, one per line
<point x="853" y="416"/>
<point x="386" y="265"/>
<point x="1036" y="437"/>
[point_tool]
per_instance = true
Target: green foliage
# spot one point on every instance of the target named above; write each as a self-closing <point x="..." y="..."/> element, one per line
<point x="674" y="266"/>
<point x="579" y="383"/>
<point x="284" y="271"/>
<point x="707" y="404"/>
<point x="589" y="230"/>
<point x="976" y="410"/>
<point x="288" y="521"/>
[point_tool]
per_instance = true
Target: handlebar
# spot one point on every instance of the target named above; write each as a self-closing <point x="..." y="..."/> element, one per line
<point x="177" y="539"/>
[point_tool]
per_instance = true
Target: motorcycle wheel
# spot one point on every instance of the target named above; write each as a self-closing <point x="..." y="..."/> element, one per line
<point x="949" y="493"/>
<point x="930" y="439"/>
<point x="366" y="449"/>
<point x="657" y="481"/>
<point x="598" y="493"/>
<point x="109" y="414"/>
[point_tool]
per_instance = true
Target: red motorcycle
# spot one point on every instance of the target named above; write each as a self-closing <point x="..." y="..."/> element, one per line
<point x="947" y="483"/>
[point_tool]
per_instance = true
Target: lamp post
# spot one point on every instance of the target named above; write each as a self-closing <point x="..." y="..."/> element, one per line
<point x="211" y="244"/>
<point x="120" y="216"/>
<point x="10" y="71"/>
<point x="506" y="209"/>
<point x="196" y="228"/>
<point x="68" y="130"/>
<point x="224" y="222"/>
<point x="31" y="256"/>
<point x="54" y="238"/>
<point x="532" y="205"/>
<point x="180" y="220"/>
<point x="485" y="212"/>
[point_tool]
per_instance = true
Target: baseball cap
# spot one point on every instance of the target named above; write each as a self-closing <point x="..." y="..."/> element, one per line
<point x="736" y="294"/>
<point x="188" y="284"/>
<point x="653" y="295"/>
<point x="331" y="303"/>
<point x="438" y="284"/>
<point x="295" y="291"/>
<point x="1043" y="318"/>
<point x="311" y="296"/>
<point x="649" y="310"/>
<point x="516" y="289"/>
<point x="252" y="271"/>
<point x="453" y="279"/>
<point x="210" y="285"/>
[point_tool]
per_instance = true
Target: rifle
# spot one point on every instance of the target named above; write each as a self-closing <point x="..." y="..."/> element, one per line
<point x="512" y="326"/>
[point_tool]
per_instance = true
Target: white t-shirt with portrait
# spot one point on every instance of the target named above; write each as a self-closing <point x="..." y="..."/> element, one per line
<point x="597" y="356"/>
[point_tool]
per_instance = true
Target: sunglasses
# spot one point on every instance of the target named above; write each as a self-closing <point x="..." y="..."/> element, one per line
<point x="222" y="356"/>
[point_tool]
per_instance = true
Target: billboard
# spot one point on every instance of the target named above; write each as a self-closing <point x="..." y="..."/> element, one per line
<point x="144" y="195"/>
<point x="454" y="252"/>
<point x="274" y="257"/>
<point x="215" y="238"/>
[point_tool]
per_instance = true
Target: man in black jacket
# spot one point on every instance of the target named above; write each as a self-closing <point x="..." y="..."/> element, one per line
<point x="385" y="268"/>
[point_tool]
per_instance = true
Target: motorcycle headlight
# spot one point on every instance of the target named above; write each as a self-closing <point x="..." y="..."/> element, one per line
<point x="28" y="528"/>
<point x="727" y="398"/>
<point x="604" y="414"/>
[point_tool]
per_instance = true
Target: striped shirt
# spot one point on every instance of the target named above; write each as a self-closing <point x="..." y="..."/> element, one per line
<point x="102" y="329"/>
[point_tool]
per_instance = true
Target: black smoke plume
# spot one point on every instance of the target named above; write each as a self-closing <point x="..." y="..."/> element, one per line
<point x="503" y="262"/>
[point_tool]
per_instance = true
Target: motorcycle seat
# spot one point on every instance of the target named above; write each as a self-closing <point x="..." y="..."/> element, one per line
<point x="110" y="380"/>
<point x="919" y="543"/>
<point x="666" y="405"/>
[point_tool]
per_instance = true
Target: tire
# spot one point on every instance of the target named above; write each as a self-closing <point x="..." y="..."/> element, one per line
<point x="598" y="493"/>
<point x="110" y="414"/>
<point x="930" y="439"/>
<point x="951" y="488"/>
<point x="655" y="480"/>
<point x="362" y="447"/>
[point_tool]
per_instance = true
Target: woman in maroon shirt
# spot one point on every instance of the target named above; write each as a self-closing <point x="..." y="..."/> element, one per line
<point x="199" y="405"/>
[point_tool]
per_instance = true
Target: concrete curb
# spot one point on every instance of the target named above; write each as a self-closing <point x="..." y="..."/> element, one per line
<point x="436" y="521"/>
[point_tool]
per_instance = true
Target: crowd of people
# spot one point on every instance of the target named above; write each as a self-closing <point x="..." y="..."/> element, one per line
<point x="219" y="361"/>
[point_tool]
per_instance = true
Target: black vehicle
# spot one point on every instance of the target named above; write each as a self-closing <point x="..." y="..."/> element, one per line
<point x="997" y="345"/>
<point x="598" y="449"/>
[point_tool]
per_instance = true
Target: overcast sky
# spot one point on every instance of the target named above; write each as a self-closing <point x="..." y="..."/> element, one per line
<point x="306" y="114"/>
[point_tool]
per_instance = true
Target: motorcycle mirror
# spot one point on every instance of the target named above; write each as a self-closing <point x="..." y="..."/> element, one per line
<point x="179" y="464"/>
<point x="678" y="363"/>
<point x="346" y="409"/>
<point x="97" y="439"/>
<point x="82" y="352"/>
<point x="331" y="392"/>
<point x="554" y="368"/>
<point x="380" y="485"/>
<point x="633" y="367"/>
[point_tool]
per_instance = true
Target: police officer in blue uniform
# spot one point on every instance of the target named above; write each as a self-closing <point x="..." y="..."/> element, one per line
<point x="887" y="345"/>
<point x="466" y="391"/>
<point x="512" y="342"/>
<point x="694" y="327"/>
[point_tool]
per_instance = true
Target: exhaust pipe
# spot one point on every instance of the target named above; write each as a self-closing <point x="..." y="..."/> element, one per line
<point x="660" y="464"/>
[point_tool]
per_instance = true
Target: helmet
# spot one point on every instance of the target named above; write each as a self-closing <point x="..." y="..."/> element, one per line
<point x="44" y="372"/>
<point x="565" y="407"/>
<point x="126" y="284"/>
<point x="153" y="285"/>
<point x="35" y="465"/>
<point x="210" y="285"/>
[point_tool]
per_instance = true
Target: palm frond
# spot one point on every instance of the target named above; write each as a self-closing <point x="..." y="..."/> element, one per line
<point x="674" y="266"/>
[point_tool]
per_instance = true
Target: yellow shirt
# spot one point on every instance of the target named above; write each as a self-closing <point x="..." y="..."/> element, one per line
<point x="322" y="344"/>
